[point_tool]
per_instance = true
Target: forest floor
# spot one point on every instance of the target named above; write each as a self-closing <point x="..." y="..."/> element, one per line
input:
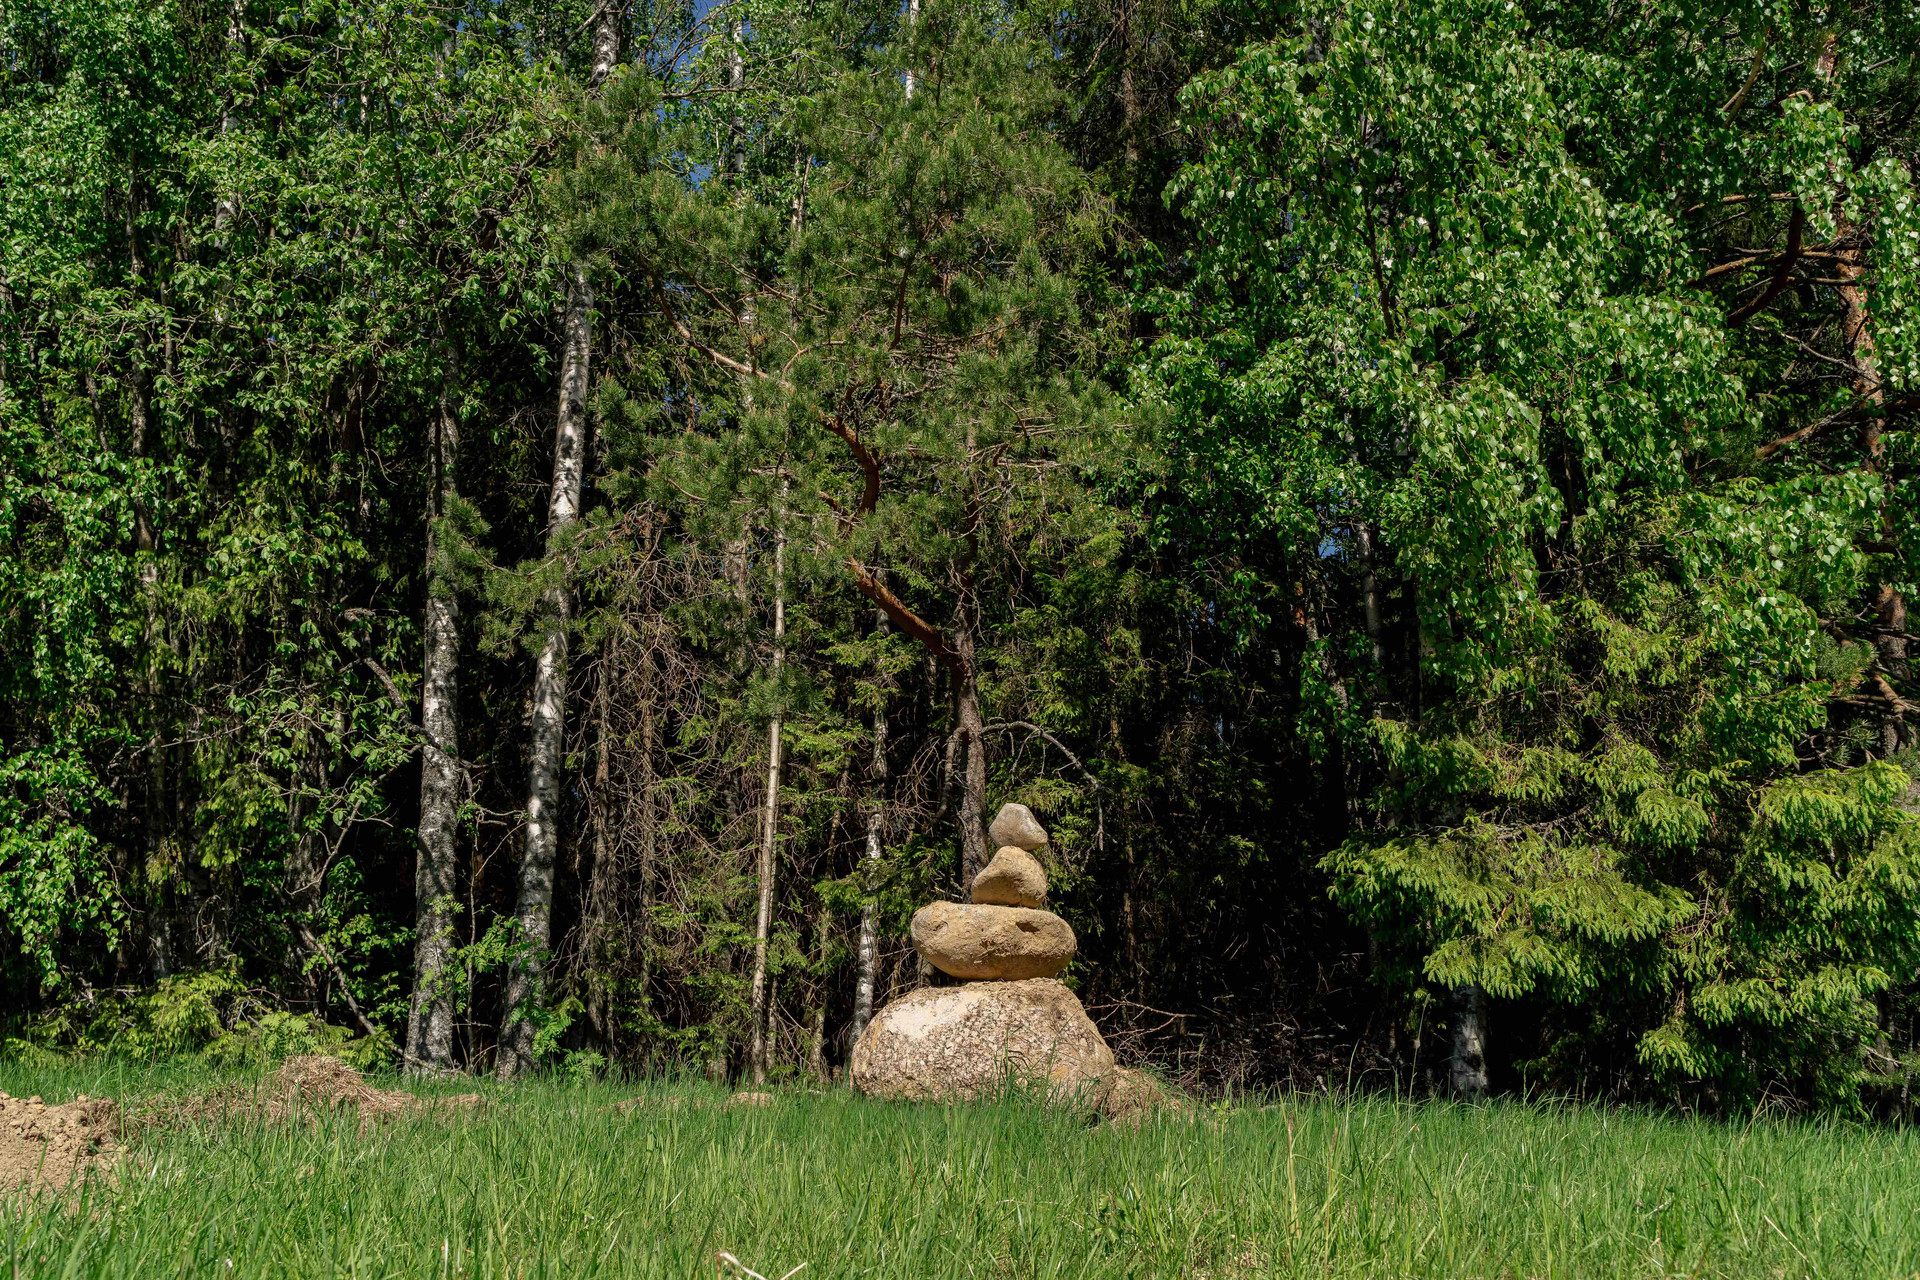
<point x="549" y="1179"/>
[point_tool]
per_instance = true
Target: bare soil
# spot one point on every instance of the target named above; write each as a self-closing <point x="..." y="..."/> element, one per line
<point x="45" y="1147"/>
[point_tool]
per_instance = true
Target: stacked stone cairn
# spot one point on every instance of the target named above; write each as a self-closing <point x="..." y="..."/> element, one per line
<point x="1012" y="1018"/>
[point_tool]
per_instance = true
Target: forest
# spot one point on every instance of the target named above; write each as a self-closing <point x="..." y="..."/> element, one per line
<point x="535" y="533"/>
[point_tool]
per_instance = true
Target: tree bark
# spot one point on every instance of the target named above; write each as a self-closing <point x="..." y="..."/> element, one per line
<point x="770" y="827"/>
<point x="527" y="974"/>
<point x="436" y="865"/>
<point x="1129" y="99"/>
<point x="602" y="883"/>
<point x="607" y="17"/>
<point x="973" y="805"/>
<point x="1467" y="1067"/>
<point x="822" y="942"/>
<point x="869" y="960"/>
<point x="1890" y="609"/>
<point x="649" y="823"/>
<point x="913" y="20"/>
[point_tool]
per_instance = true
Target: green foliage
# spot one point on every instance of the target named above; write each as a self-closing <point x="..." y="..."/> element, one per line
<point x="1433" y="343"/>
<point x="210" y="1016"/>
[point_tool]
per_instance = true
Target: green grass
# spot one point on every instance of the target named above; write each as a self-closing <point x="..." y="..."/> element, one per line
<point x="552" y="1181"/>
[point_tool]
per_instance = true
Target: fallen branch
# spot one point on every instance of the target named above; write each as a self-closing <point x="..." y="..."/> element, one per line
<point x="723" y="1260"/>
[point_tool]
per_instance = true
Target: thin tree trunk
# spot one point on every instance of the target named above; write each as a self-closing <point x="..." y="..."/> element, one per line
<point x="601" y="884"/>
<point x="527" y="975"/>
<point x="227" y="204"/>
<point x="770" y="828"/>
<point x="160" y="830"/>
<point x="1129" y="99"/>
<point x="436" y="866"/>
<point x="817" y="1050"/>
<point x="869" y="960"/>
<point x="973" y="804"/>
<point x="1890" y="608"/>
<point x="1370" y="594"/>
<point x="913" y="20"/>
<point x="737" y="83"/>
<point x="649" y="822"/>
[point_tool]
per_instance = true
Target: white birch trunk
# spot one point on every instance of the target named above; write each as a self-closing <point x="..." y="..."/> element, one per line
<point x="869" y="961"/>
<point x="527" y="976"/>
<point x="430" y="1021"/>
<point x="913" y="20"/>
<point x="770" y="828"/>
<point x="607" y="21"/>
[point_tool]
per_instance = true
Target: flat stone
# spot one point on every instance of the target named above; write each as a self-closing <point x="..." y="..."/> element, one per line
<point x="1016" y="825"/>
<point x="1007" y="943"/>
<point x="1014" y="878"/>
<point x="955" y="1044"/>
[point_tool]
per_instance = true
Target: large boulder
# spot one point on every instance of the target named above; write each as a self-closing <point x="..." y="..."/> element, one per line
<point x="1008" y="943"/>
<point x="1014" y="878"/>
<point x="953" y="1044"/>
<point x="1016" y="825"/>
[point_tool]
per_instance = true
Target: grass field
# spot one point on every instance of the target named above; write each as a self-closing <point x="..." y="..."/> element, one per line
<point x="552" y="1181"/>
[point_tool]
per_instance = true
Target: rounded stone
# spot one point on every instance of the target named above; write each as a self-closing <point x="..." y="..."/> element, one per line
<point x="1014" y="878"/>
<point x="1016" y="825"/>
<point x="1008" y="943"/>
<point x="953" y="1044"/>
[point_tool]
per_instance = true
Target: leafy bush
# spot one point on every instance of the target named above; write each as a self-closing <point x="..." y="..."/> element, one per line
<point x="209" y="1013"/>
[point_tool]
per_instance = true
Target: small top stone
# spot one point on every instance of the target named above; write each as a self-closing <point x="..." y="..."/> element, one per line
<point x="1016" y="825"/>
<point x="1014" y="878"/>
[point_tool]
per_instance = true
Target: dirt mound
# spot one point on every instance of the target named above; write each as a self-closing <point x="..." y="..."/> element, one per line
<point x="46" y="1147"/>
<point x="43" y="1147"/>
<point x="308" y="1084"/>
<point x="322" y="1083"/>
<point x="301" y="1088"/>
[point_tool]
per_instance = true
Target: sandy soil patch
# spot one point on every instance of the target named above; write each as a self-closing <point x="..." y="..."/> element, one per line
<point x="43" y="1147"/>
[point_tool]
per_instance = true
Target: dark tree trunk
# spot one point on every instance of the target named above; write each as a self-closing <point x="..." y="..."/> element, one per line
<point x="1467" y="1066"/>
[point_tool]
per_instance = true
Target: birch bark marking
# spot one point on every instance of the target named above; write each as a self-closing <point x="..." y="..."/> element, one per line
<point x="770" y="826"/>
<point x="913" y="20"/>
<point x="535" y="910"/>
<point x="436" y="865"/>
<point x="607" y="15"/>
